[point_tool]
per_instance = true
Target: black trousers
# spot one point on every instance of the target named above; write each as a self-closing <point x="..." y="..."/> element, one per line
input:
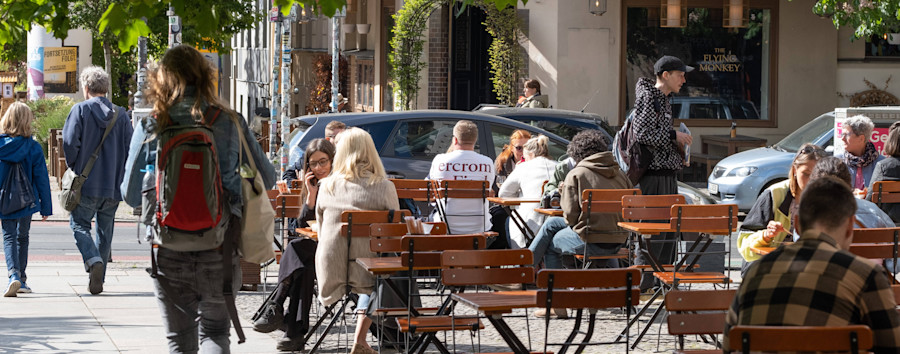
<point x="299" y="287"/>
<point x="663" y="246"/>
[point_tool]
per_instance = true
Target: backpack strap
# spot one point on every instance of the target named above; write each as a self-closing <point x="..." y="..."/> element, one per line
<point x="231" y="238"/>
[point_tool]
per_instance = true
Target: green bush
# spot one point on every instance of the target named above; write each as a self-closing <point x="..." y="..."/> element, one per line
<point x="49" y="113"/>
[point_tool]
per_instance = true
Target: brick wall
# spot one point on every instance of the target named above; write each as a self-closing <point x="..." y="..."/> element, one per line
<point x="438" y="59"/>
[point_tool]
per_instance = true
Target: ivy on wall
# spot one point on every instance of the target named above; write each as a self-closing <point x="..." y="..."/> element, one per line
<point x="506" y="58"/>
<point x="407" y="45"/>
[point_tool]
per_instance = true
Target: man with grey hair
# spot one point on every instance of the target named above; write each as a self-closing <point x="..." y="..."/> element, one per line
<point x="100" y="196"/>
<point x="859" y="153"/>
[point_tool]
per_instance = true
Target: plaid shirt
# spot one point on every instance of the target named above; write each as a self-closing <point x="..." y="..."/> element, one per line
<point x="815" y="283"/>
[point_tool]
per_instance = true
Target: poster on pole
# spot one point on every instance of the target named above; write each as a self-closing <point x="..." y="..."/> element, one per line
<point x="61" y="69"/>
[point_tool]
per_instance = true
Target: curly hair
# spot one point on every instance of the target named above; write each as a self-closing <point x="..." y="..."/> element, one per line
<point x="587" y="143"/>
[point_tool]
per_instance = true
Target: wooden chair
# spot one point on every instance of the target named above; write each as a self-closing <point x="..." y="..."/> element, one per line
<point x="646" y="208"/>
<point x="700" y="312"/>
<point x="880" y="243"/>
<point x="419" y="190"/>
<point x="355" y="225"/>
<point x="296" y="183"/>
<point x="425" y="251"/>
<point x="851" y="339"/>
<point x="885" y="193"/>
<point x="287" y="206"/>
<point x="445" y="190"/>
<point x="590" y="289"/>
<point x="596" y="202"/>
<point x="707" y="220"/>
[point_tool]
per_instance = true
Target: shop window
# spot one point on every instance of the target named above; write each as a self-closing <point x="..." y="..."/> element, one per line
<point x="365" y="86"/>
<point x="883" y="46"/>
<point x="734" y="76"/>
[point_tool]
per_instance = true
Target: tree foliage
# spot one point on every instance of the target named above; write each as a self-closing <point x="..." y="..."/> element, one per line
<point x="407" y="44"/>
<point x="506" y="58"/>
<point x="868" y="17"/>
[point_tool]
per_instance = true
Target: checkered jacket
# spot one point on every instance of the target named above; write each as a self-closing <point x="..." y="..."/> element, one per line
<point x="652" y="124"/>
<point x="814" y="283"/>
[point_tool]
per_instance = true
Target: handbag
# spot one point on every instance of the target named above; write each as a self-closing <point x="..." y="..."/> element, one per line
<point x="70" y="195"/>
<point x="258" y="220"/>
<point x="16" y="192"/>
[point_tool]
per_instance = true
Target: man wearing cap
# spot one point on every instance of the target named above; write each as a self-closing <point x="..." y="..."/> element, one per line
<point x="653" y="127"/>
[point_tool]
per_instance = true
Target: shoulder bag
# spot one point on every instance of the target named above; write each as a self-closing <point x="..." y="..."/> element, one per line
<point x="258" y="219"/>
<point x="70" y="195"/>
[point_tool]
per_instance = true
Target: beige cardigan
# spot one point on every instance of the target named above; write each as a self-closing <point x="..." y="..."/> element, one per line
<point x="331" y="255"/>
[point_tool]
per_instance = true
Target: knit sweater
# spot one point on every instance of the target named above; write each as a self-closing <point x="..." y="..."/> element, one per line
<point x="337" y="195"/>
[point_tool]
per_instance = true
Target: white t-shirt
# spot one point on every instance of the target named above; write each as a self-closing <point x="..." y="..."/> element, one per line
<point x="463" y="214"/>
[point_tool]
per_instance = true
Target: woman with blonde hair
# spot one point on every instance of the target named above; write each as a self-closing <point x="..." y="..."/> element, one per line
<point x="182" y="91"/>
<point x="526" y="182"/>
<point x="19" y="153"/>
<point x="357" y="182"/>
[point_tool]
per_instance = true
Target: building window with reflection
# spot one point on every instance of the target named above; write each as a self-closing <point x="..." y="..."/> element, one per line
<point x="733" y="77"/>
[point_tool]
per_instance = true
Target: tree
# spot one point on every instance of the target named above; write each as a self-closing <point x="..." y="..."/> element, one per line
<point x="868" y="17"/>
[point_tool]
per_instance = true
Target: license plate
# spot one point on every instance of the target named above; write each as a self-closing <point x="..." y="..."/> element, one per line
<point x="713" y="188"/>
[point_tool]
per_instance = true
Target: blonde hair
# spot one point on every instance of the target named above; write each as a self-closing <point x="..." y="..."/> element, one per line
<point x="356" y="158"/>
<point x="466" y="132"/>
<point x="538" y="146"/>
<point x="17" y="120"/>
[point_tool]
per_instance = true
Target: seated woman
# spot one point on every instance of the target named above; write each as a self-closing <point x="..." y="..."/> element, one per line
<point x="889" y="169"/>
<point x="505" y="164"/>
<point x="867" y="213"/>
<point x="769" y="220"/>
<point x="297" y="274"/>
<point x="357" y="182"/>
<point x="526" y="182"/>
<point x="533" y="97"/>
<point x="566" y="235"/>
<point x="860" y="154"/>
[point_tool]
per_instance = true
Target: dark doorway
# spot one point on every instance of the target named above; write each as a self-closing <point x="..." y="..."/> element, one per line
<point x="470" y="76"/>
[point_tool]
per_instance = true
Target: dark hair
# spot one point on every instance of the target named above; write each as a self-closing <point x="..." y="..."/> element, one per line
<point x="181" y="67"/>
<point x="587" y="143"/>
<point x="320" y="144"/>
<point x="808" y="152"/>
<point x="826" y="201"/>
<point x="831" y="166"/>
<point x="892" y="145"/>
<point x="533" y="84"/>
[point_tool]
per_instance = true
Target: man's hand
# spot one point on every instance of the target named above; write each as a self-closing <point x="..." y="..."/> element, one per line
<point x="683" y="139"/>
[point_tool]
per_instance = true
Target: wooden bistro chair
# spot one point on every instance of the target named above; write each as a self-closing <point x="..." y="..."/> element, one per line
<point x="462" y="269"/>
<point x="590" y="289"/>
<point x="444" y="190"/>
<point x="699" y="312"/>
<point x="419" y="190"/>
<point x="355" y="225"/>
<point x="852" y="339"/>
<point x="596" y="202"/>
<point x="885" y="193"/>
<point x="877" y="243"/>
<point x="646" y="208"/>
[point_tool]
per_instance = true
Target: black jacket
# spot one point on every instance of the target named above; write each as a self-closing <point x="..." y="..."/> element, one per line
<point x="887" y="170"/>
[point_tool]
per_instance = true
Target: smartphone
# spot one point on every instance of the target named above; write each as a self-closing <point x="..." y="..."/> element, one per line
<point x="314" y="181"/>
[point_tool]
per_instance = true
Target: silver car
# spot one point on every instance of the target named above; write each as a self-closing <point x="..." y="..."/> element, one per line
<point x="740" y="178"/>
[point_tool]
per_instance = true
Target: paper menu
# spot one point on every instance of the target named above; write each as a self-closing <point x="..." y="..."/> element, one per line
<point x="687" y="147"/>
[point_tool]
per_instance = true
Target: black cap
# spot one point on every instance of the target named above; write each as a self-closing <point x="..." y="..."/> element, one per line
<point x="669" y="63"/>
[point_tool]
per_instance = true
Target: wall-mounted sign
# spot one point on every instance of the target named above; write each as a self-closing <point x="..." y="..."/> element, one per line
<point x="8" y="90"/>
<point x="720" y="61"/>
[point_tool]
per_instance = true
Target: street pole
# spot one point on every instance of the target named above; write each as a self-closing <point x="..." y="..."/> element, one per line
<point x="276" y="18"/>
<point x="335" y="61"/>
<point x="286" y="47"/>
<point x="174" y="28"/>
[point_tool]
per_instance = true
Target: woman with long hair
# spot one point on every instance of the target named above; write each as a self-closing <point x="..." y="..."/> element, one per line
<point x="512" y="154"/>
<point x="17" y="148"/>
<point x="297" y="274"/>
<point x="182" y="92"/>
<point x="769" y="221"/>
<point x="526" y="182"/>
<point x="357" y="182"/>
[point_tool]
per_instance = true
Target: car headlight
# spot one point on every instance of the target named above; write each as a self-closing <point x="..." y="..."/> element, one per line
<point x="742" y="171"/>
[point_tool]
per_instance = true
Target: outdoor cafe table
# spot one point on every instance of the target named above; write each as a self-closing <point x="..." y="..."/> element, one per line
<point x="729" y="143"/>
<point x="508" y="204"/>
<point x="762" y="251"/>
<point x="495" y="304"/>
<point x="549" y="211"/>
<point x="307" y="232"/>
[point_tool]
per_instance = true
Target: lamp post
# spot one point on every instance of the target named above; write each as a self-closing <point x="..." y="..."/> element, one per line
<point x="336" y="57"/>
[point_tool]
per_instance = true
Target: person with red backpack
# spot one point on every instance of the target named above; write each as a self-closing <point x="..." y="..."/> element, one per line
<point x="183" y="166"/>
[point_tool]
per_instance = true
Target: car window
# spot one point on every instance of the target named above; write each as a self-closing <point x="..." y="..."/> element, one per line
<point x="707" y="110"/>
<point x="424" y="139"/>
<point x="500" y="136"/>
<point x="379" y="131"/>
<point x="743" y="110"/>
<point x="566" y="131"/>
<point x="676" y="112"/>
<point x="807" y="133"/>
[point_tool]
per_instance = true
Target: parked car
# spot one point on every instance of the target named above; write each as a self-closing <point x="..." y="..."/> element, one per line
<point x="740" y="178"/>
<point x="408" y="141"/>
<point x="558" y="121"/>
<point x="684" y="107"/>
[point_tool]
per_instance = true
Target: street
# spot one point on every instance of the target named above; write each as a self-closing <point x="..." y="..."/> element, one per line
<point x="53" y="241"/>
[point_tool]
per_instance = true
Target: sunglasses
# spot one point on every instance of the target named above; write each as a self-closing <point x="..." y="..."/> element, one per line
<point x="321" y="162"/>
<point x="812" y="149"/>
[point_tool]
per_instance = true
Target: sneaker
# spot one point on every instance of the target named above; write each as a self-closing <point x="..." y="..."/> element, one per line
<point x="95" y="286"/>
<point x="11" y="289"/>
<point x="271" y="319"/>
<point x="288" y="344"/>
<point x="560" y="313"/>
<point x="505" y="287"/>
<point x="24" y="289"/>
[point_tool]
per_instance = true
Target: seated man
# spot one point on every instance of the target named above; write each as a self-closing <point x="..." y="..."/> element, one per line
<point x="816" y="281"/>
<point x="463" y="163"/>
<point x="595" y="169"/>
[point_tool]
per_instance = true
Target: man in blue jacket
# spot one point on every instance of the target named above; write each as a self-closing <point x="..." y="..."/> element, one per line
<point x="100" y="195"/>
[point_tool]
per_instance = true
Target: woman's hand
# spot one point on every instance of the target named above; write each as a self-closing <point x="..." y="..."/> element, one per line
<point x="312" y="188"/>
<point x="772" y="229"/>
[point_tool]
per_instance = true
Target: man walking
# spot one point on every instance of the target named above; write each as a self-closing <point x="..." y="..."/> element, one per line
<point x="816" y="281"/>
<point x="653" y="127"/>
<point x="100" y="195"/>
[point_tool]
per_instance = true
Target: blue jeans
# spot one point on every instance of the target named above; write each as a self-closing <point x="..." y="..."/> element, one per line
<point x="197" y="280"/>
<point x="556" y="239"/>
<point x="15" y="245"/>
<point x="97" y="249"/>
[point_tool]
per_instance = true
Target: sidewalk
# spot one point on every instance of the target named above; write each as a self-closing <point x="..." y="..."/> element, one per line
<point x="61" y="316"/>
